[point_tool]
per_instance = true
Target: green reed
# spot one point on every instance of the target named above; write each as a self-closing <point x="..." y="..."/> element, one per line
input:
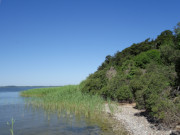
<point x="12" y="126"/>
<point x="68" y="98"/>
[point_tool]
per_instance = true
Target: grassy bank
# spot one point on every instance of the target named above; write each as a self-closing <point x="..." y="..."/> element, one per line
<point x="68" y="98"/>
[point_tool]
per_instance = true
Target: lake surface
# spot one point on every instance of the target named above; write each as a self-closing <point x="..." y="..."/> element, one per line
<point x="30" y="121"/>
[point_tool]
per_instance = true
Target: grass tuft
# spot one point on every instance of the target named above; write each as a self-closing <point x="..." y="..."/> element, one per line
<point x="12" y="126"/>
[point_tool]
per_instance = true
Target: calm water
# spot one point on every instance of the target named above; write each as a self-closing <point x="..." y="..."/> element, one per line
<point x="29" y="121"/>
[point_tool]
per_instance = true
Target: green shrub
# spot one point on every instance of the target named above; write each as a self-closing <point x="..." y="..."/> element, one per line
<point x="154" y="55"/>
<point x="140" y="100"/>
<point x="123" y="93"/>
<point x="94" y="83"/>
<point x="141" y="60"/>
<point x="146" y="57"/>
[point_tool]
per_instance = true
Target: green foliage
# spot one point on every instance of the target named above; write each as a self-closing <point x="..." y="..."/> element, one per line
<point x="129" y="52"/>
<point x="123" y="93"/>
<point x="177" y="69"/>
<point x="177" y="29"/>
<point x="147" y="73"/>
<point x="177" y="42"/>
<point x="38" y="92"/>
<point x="146" y="57"/>
<point x="169" y="54"/>
<point x="118" y="90"/>
<point x="165" y="38"/>
<point x="177" y="36"/>
<point x="68" y="98"/>
<point x="141" y="60"/>
<point x="95" y="82"/>
<point x="166" y="54"/>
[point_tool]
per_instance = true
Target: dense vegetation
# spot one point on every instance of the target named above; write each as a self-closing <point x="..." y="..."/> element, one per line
<point x="68" y="98"/>
<point x="147" y="73"/>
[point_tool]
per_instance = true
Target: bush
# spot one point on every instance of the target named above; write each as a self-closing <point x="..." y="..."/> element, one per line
<point x="94" y="83"/>
<point x="146" y="57"/>
<point x="141" y="60"/>
<point x="123" y="93"/>
<point x="167" y="54"/>
<point x="140" y="100"/>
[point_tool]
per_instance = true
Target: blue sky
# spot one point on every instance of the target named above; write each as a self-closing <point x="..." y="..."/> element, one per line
<point x="59" y="42"/>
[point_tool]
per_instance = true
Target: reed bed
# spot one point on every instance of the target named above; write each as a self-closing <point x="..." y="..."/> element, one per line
<point x="67" y="98"/>
<point x="68" y="101"/>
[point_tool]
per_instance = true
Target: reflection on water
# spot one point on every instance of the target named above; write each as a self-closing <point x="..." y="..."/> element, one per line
<point x="9" y="98"/>
<point x="31" y="121"/>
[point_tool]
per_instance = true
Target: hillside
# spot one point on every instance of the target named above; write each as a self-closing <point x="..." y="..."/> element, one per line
<point x="147" y="73"/>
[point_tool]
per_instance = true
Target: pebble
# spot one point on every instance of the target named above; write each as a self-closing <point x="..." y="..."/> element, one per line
<point x="135" y="125"/>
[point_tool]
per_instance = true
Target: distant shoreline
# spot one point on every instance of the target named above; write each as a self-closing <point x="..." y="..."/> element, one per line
<point x="29" y="86"/>
<point x="21" y="88"/>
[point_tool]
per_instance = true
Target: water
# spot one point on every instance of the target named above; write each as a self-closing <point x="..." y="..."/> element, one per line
<point x="30" y="121"/>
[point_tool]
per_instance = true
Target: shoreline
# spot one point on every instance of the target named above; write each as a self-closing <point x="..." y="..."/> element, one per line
<point x="135" y="125"/>
<point x="125" y="115"/>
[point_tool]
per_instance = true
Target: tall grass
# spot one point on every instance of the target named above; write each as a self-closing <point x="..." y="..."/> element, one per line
<point x="68" y="98"/>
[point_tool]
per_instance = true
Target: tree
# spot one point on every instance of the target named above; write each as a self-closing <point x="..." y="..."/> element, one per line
<point x="177" y="35"/>
<point x="177" y="29"/>
<point x="165" y="38"/>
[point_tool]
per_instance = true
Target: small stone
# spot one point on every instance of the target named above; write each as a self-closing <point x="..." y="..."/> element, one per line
<point x="177" y="128"/>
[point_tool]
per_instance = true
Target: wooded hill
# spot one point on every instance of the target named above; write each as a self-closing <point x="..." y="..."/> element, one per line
<point x="147" y="73"/>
